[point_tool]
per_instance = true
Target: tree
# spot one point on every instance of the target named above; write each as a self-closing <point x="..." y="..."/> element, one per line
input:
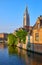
<point x="21" y="34"/>
<point x="12" y="39"/>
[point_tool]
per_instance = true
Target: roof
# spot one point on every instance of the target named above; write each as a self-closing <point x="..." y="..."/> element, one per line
<point x="28" y="28"/>
<point x="40" y="21"/>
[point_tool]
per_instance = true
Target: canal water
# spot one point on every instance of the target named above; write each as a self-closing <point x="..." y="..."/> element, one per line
<point x="16" y="56"/>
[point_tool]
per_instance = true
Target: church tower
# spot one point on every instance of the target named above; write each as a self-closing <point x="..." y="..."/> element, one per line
<point x="26" y="21"/>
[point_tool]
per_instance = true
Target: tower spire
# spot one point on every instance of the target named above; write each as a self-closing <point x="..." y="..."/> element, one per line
<point x="26" y="9"/>
<point x="26" y="18"/>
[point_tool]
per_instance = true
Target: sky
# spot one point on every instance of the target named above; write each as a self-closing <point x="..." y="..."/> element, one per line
<point x="12" y="11"/>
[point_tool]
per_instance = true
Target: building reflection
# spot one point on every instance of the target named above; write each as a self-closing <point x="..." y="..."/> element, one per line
<point x="3" y="45"/>
<point x="29" y="58"/>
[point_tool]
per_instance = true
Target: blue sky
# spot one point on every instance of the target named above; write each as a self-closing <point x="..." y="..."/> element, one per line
<point x="11" y="13"/>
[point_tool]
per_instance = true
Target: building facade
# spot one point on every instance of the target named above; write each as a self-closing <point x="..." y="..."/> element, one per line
<point x="36" y="44"/>
<point x="37" y="31"/>
<point x="3" y="37"/>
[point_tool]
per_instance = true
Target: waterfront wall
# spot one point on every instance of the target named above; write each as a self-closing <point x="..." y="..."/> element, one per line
<point x="33" y="46"/>
<point x="36" y="47"/>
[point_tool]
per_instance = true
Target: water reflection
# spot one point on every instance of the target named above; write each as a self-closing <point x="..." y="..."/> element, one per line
<point x="12" y="50"/>
<point x="16" y="56"/>
<point x="27" y="57"/>
<point x="3" y="45"/>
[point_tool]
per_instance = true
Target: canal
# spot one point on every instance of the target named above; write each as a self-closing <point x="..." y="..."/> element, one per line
<point x="16" y="56"/>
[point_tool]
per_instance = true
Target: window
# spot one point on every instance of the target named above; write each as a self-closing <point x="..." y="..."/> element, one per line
<point x="37" y="36"/>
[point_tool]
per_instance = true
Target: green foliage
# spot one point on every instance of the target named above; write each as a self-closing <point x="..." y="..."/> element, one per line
<point x="12" y="39"/>
<point x="24" y="40"/>
<point x="21" y="34"/>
